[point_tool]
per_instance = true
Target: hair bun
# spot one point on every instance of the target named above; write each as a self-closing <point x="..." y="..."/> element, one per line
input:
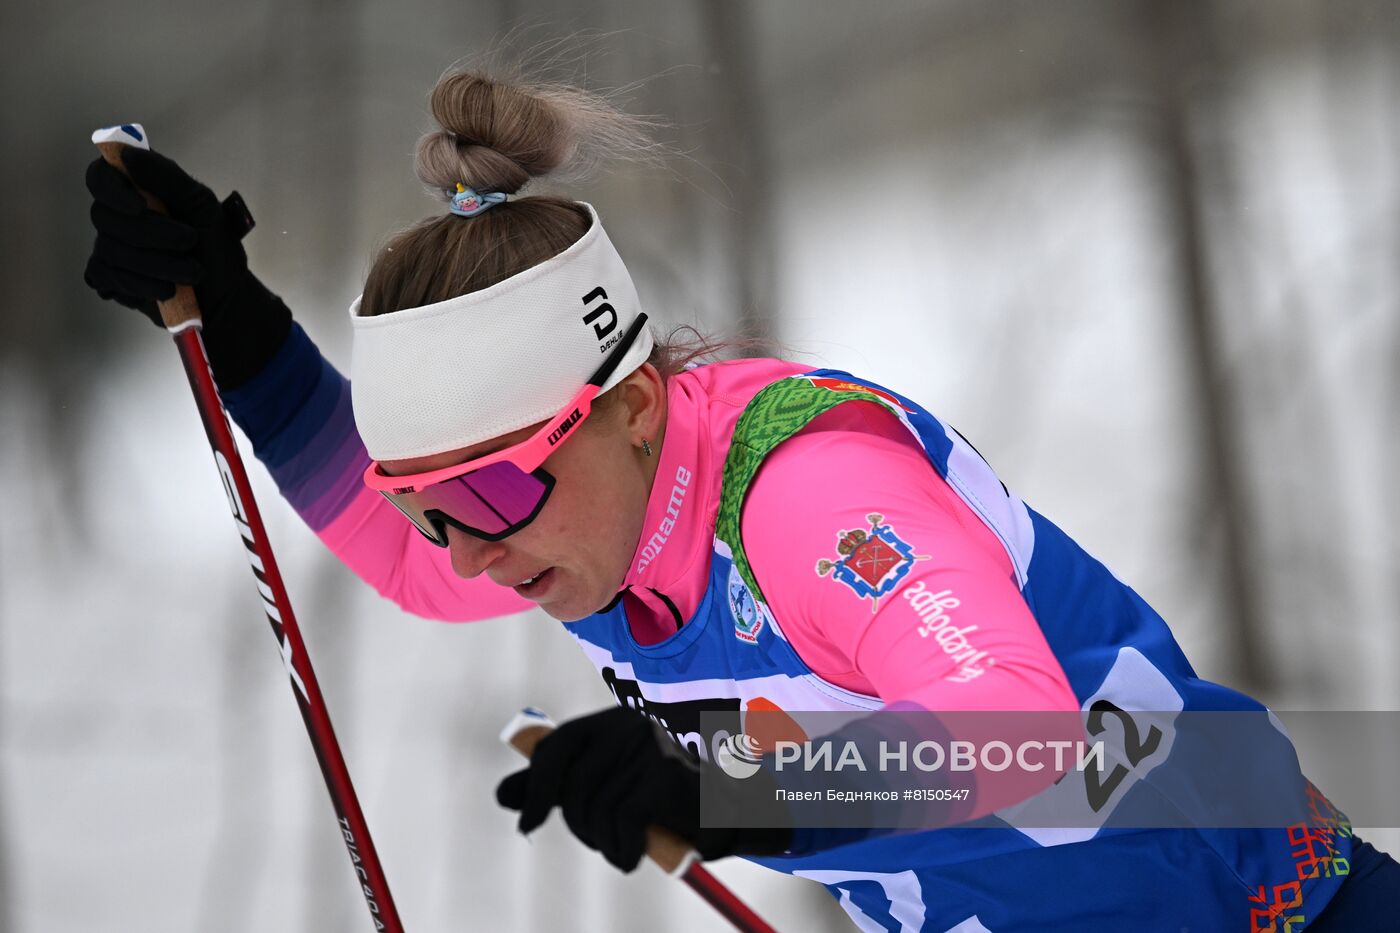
<point x="496" y="134"/>
<point x="500" y="136"/>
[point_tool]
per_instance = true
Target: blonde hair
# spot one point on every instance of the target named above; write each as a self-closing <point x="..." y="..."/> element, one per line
<point x="500" y="134"/>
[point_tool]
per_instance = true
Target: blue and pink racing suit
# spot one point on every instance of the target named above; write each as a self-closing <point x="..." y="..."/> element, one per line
<point x="749" y="590"/>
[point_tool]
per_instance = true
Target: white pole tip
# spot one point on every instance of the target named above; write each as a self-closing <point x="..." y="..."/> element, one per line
<point x="527" y="717"/>
<point x="132" y="134"/>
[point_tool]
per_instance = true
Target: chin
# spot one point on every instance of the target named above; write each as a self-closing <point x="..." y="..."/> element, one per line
<point x="572" y="611"/>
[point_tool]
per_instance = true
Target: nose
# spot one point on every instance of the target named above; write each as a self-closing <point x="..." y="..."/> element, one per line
<point x="471" y="555"/>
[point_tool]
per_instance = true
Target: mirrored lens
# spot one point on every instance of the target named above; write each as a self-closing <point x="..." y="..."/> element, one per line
<point x="490" y="502"/>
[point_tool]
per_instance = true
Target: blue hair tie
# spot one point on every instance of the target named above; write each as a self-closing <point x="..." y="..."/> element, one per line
<point x="467" y="203"/>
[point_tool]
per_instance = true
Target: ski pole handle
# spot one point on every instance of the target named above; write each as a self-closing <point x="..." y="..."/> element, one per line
<point x="182" y="310"/>
<point x="664" y="847"/>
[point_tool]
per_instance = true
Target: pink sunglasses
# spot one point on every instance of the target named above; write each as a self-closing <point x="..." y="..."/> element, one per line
<point x="494" y="496"/>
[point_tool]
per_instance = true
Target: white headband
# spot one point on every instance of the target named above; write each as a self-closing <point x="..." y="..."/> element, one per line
<point x="448" y="375"/>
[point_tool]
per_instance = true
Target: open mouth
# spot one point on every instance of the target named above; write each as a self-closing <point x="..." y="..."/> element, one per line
<point x="536" y="585"/>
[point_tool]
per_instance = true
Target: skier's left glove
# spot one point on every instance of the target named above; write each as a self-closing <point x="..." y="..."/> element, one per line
<point x="615" y="773"/>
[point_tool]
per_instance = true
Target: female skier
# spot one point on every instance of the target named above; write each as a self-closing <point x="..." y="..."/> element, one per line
<point x="738" y="537"/>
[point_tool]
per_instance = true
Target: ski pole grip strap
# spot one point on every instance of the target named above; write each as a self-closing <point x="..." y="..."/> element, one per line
<point x="665" y="848"/>
<point x="182" y="310"/>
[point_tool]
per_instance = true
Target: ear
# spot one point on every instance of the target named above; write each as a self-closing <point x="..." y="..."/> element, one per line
<point x="643" y="402"/>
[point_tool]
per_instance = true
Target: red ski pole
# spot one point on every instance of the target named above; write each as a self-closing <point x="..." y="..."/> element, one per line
<point x="181" y="317"/>
<point x="672" y="853"/>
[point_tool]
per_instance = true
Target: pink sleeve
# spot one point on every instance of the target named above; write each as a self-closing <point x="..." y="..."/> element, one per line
<point x="298" y="415"/>
<point x="954" y="632"/>
<point x="387" y="552"/>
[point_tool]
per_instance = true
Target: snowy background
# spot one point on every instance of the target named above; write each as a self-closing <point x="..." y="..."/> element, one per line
<point x="1143" y="254"/>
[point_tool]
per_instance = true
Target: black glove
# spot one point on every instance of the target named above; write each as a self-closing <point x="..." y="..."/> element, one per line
<point x="615" y="773"/>
<point x="140" y="256"/>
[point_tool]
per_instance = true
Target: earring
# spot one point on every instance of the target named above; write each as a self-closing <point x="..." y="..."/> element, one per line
<point x="646" y="447"/>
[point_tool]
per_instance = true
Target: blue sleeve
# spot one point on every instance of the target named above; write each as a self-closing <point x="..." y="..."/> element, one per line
<point x="298" y="416"/>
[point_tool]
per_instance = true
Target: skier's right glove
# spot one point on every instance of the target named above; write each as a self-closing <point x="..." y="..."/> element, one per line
<point x="614" y="773"/>
<point x="140" y="256"/>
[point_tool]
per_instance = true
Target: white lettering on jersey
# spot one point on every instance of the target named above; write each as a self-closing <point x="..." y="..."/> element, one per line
<point x="933" y="610"/>
<point x="668" y="522"/>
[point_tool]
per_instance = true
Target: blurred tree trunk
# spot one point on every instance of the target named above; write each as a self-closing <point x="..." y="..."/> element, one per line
<point x="1390" y="464"/>
<point x="239" y="852"/>
<point x="740" y="142"/>
<point x="1181" y="41"/>
<point x="6" y="903"/>
<point x="331" y="899"/>
<point x="311" y="94"/>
